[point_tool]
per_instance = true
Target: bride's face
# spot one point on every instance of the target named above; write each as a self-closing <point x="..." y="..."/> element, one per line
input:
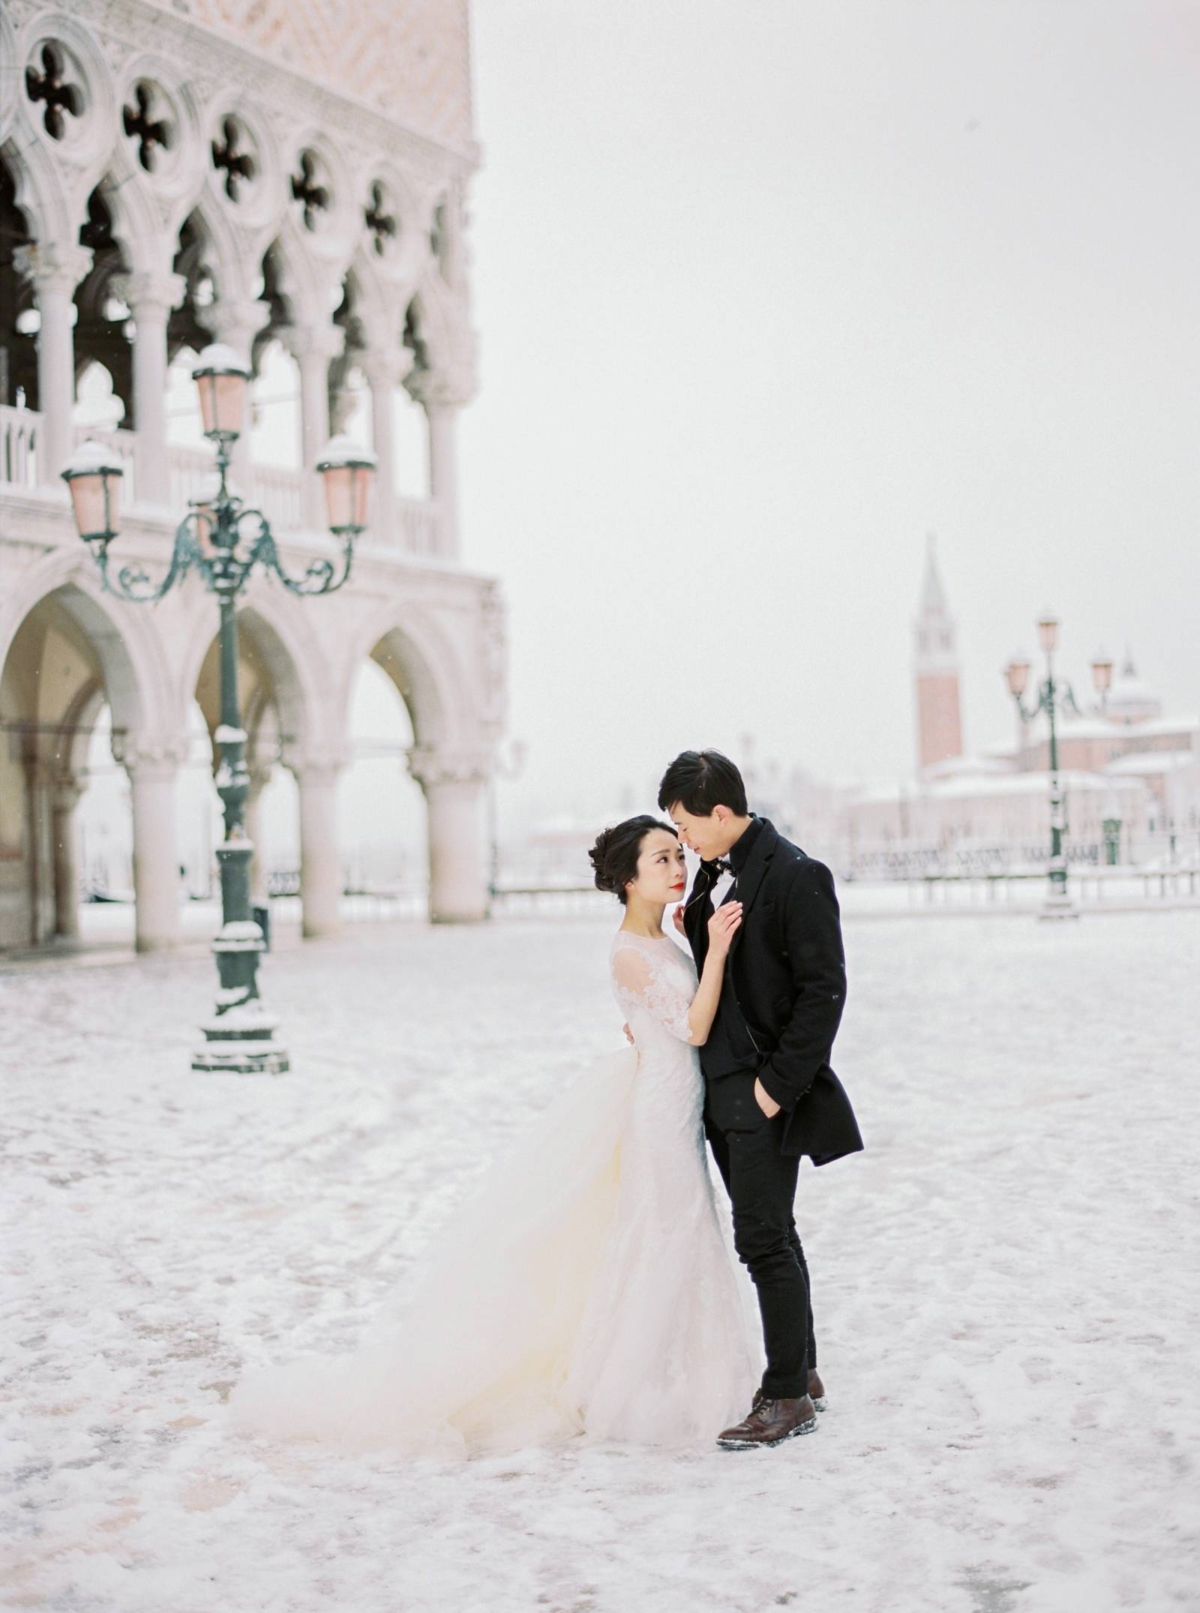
<point x="661" y="871"/>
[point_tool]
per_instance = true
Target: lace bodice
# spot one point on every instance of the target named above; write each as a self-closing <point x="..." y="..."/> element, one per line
<point x="654" y="983"/>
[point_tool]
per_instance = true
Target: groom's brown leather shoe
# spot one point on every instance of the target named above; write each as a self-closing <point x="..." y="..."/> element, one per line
<point x="770" y="1423"/>
<point x="816" y="1392"/>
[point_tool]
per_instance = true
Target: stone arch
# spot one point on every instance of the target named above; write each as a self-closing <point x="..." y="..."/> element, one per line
<point x="220" y="249"/>
<point x="420" y="660"/>
<point x="136" y="671"/>
<point x="279" y="705"/>
<point x="279" y="642"/>
<point x="8" y="53"/>
<point x="65" y="655"/>
<point x="40" y="194"/>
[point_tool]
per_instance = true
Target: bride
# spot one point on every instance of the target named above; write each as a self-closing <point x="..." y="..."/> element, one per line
<point x="588" y="1288"/>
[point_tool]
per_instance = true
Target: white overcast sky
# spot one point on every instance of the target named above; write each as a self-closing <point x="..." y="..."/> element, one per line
<point x="768" y="289"/>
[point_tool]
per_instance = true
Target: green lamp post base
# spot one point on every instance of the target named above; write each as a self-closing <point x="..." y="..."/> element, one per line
<point x="240" y="1037"/>
<point x="248" y="1055"/>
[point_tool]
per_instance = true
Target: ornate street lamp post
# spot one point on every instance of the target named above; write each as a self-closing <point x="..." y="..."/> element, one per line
<point x="224" y="540"/>
<point x="1052" y="694"/>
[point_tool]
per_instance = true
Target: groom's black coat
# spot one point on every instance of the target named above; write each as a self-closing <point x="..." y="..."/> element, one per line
<point x="787" y="975"/>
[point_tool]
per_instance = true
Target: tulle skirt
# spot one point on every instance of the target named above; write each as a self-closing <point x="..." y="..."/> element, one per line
<point x="587" y="1289"/>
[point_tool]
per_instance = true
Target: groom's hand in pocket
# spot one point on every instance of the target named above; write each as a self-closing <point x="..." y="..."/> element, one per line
<point x="764" y="1100"/>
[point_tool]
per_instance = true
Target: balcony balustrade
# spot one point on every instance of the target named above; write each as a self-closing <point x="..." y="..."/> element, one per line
<point x="413" y="526"/>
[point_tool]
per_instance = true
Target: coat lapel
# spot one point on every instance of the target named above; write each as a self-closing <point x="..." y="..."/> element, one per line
<point x="751" y="877"/>
<point x="693" y="924"/>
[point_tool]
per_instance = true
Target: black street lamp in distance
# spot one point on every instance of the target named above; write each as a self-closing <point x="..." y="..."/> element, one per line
<point x="1054" y="693"/>
<point x="224" y="540"/>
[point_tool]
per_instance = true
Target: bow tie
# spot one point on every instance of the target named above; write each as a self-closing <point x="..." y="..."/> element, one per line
<point x="719" y="866"/>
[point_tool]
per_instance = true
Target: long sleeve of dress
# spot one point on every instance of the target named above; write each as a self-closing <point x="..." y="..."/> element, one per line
<point x="646" y="986"/>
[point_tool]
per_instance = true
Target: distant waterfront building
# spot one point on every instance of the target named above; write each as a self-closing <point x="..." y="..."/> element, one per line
<point x="289" y="179"/>
<point x="1130" y="774"/>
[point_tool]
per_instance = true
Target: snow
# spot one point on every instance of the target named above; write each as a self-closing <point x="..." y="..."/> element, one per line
<point x="1004" y="1282"/>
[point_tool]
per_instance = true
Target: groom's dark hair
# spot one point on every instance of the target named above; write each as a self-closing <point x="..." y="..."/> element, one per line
<point x="701" y="780"/>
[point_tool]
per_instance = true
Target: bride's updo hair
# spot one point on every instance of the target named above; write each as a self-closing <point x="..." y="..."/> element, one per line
<point x="615" y="854"/>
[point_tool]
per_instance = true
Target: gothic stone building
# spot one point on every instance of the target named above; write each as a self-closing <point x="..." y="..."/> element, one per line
<point x="288" y="179"/>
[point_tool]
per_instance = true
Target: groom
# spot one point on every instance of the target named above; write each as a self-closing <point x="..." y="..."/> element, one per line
<point x="770" y="1094"/>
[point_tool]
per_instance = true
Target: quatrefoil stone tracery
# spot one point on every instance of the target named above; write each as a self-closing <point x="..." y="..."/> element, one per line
<point x="229" y="156"/>
<point x="381" y="224"/>
<point x="313" y="197"/>
<point x="51" y="87"/>
<point x="152" y="134"/>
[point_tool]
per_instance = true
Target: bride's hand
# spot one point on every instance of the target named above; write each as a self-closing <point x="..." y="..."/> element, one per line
<point x="677" y="918"/>
<point x="722" y="928"/>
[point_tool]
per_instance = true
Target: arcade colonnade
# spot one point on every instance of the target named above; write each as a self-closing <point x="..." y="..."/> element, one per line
<point x="67" y="649"/>
<point x="163" y="186"/>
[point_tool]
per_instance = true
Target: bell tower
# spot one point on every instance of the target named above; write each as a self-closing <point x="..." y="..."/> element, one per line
<point x="935" y="670"/>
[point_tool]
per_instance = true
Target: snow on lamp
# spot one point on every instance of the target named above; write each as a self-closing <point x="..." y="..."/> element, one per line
<point x="93" y="477"/>
<point x="347" y="470"/>
<point x="221" y="379"/>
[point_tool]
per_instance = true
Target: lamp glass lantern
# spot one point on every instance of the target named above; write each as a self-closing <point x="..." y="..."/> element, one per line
<point x="1048" y="631"/>
<point x="222" y="380"/>
<point x="93" y="476"/>
<point x="347" y="470"/>
<point x="1017" y="676"/>
<point x="1102" y="673"/>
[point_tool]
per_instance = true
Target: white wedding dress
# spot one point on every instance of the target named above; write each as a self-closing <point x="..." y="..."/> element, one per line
<point x="589" y="1287"/>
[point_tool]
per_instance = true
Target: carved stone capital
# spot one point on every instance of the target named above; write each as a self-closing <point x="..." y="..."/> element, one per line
<point x="235" y="321"/>
<point x="444" y="387"/>
<point x="148" y="756"/>
<point x="386" y="367"/>
<point x="150" y="296"/>
<point x="52" y="268"/>
<point x="434" y="768"/>
<point x="318" y="764"/>
<point x="313" y="341"/>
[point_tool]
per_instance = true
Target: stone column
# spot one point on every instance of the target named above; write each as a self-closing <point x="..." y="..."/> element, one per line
<point x="152" y="767"/>
<point x="313" y="346"/>
<point x="320" y="861"/>
<point x="39" y="848"/>
<point x="64" y="798"/>
<point x="455" y="789"/>
<point x="236" y="321"/>
<point x="151" y="297"/>
<point x="54" y="272"/>
<point x="384" y="368"/>
<point x="442" y="393"/>
<point x="443" y="470"/>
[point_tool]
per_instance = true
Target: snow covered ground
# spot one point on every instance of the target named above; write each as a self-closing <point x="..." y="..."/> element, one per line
<point x="1005" y="1286"/>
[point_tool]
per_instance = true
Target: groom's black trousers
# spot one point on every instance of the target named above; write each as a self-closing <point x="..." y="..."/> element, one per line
<point x="761" y="1183"/>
